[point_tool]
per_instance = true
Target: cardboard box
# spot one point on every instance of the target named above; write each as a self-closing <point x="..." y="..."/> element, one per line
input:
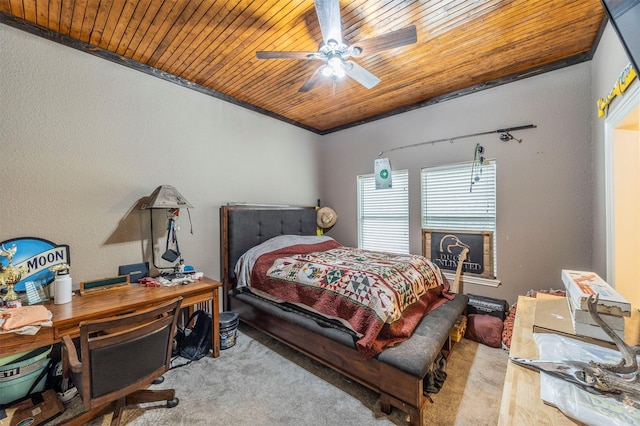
<point x="581" y="284"/>
<point x="552" y="315"/>
<point x="584" y="317"/>
<point x="595" y="331"/>
<point x="33" y="410"/>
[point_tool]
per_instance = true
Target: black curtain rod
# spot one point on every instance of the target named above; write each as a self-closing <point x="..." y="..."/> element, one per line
<point x="505" y="136"/>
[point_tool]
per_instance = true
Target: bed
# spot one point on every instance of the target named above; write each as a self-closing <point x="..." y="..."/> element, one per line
<point x="395" y="372"/>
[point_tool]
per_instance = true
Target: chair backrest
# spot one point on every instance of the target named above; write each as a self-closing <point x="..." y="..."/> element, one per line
<point x="125" y="353"/>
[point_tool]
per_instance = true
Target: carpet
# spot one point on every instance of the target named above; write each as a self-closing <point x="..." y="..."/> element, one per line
<point x="260" y="381"/>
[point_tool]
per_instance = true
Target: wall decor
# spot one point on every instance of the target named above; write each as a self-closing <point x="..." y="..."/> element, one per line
<point x="34" y="256"/>
<point x="443" y="247"/>
<point x="622" y="83"/>
<point x="382" y="171"/>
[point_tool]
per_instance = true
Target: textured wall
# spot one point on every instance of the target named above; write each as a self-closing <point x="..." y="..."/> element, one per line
<point x="544" y="183"/>
<point x="84" y="139"/>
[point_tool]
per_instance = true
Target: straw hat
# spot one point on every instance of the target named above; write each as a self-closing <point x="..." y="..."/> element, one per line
<point x="327" y="217"/>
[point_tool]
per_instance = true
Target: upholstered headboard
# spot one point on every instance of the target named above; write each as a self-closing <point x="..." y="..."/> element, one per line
<point x="246" y="226"/>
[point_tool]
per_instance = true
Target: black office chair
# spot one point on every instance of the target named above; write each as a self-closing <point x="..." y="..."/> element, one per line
<point x="120" y="357"/>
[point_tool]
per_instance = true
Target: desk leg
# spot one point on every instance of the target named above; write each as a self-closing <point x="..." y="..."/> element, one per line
<point x="215" y="330"/>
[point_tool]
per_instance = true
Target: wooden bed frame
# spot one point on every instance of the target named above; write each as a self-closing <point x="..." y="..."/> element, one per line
<point x="397" y="388"/>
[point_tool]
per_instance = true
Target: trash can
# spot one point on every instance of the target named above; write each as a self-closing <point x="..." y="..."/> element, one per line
<point x="228" y="329"/>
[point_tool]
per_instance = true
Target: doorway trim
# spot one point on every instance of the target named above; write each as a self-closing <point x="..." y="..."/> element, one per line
<point x="630" y="101"/>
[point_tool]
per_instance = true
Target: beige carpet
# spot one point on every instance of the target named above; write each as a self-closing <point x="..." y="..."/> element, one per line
<point x="259" y="381"/>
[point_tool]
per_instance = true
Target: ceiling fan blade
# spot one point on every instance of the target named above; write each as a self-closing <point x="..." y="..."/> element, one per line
<point x="312" y="81"/>
<point x="286" y="55"/>
<point x="360" y="74"/>
<point x="389" y="40"/>
<point x="328" y="12"/>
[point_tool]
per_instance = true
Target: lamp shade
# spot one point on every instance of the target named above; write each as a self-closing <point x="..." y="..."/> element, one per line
<point x="166" y="197"/>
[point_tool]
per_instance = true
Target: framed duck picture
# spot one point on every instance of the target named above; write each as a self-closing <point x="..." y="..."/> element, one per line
<point x="444" y="247"/>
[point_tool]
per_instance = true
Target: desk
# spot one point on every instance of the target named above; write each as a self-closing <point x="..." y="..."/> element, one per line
<point x="102" y="304"/>
<point x="521" y="403"/>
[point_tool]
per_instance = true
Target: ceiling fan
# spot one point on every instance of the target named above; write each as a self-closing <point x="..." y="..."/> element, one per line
<point x="334" y="52"/>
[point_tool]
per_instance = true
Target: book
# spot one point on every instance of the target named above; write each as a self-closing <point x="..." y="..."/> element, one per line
<point x="581" y="316"/>
<point x="581" y="284"/>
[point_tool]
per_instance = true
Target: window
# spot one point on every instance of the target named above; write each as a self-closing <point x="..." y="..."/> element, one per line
<point x="383" y="214"/>
<point x="450" y="201"/>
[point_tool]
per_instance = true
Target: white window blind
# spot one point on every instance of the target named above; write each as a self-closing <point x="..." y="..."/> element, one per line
<point x="450" y="201"/>
<point x="383" y="214"/>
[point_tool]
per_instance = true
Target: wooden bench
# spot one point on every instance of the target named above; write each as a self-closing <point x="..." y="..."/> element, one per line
<point x="397" y="373"/>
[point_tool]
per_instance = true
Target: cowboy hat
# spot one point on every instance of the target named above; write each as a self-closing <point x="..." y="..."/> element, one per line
<point x="327" y="217"/>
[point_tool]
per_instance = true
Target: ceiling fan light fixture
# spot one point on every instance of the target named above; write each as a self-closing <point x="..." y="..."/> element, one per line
<point x="335" y="62"/>
<point x="326" y="71"/>
<point x="339" y="71"/>
<point x="336" y="65"/>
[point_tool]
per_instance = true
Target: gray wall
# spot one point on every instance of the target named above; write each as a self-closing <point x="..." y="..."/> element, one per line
<point x="84" y="139"/>
<point x="544" y="214"/>
<point x="551" y="188"/>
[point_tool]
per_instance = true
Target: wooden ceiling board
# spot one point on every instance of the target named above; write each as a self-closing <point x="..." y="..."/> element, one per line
<point x="243" y="55"/>
<point x="210" y="45"/>
<point x="471" y="64"/>
<point x="251" y="71"/>
<point x="210" y="71"/>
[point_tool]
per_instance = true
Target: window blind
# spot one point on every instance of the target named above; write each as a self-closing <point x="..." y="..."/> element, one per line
<point x="451" y="201"/>
<point x="383" y="214"/>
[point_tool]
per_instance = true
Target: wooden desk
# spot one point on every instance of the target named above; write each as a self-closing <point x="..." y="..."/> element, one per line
<point x="521" y="403"/>
<point x="101" y="304"/>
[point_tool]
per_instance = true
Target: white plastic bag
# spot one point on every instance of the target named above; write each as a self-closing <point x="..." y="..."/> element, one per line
<point x="569" y="398"/>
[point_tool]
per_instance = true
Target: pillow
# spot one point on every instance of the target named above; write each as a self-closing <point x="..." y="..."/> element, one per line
<point x="485" y="329"/>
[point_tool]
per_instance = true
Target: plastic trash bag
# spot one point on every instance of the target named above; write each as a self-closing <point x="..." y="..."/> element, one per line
<point x="573" y="401"/>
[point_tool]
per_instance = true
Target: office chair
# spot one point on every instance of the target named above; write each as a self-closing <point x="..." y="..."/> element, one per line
<point x="120" y="357"/>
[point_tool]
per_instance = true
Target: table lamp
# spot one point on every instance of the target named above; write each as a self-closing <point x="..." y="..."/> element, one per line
<point x="168" y="198"/>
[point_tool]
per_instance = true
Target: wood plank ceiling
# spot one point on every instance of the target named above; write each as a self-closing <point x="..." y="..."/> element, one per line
<point x="462" y="47"/>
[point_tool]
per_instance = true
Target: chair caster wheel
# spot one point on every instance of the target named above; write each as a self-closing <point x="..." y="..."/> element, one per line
<point x="158" y="380"/>
<point x="172" y="402"/>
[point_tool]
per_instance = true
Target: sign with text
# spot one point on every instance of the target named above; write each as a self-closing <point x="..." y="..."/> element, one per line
<point x="35" y="256"/>
<point x="443" y="247"/>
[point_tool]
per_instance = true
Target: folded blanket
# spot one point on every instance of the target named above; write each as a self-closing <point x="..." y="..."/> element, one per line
<point x="15" y="318"/>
